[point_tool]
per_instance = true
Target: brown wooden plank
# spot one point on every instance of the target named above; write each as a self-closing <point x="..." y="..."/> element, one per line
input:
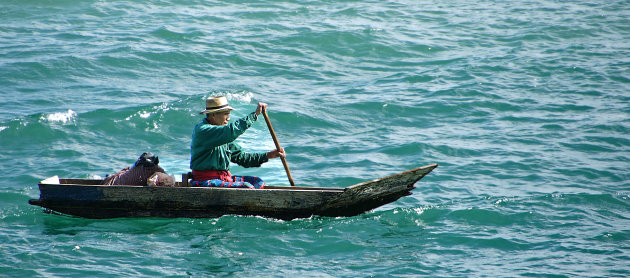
<point x="97" y="201"/>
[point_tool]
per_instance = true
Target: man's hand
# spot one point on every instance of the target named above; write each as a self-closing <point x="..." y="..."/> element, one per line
<point x="261" y="106"/>
<point x="276" y="154"/>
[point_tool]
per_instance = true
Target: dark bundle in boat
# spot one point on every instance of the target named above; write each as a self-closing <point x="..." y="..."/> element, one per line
<point x="146" y="167"/>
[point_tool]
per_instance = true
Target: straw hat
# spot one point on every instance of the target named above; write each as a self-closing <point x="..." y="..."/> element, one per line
<point x="216" y="104"/>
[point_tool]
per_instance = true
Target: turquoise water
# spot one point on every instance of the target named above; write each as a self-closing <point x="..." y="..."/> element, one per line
<point x="524" y="104"/>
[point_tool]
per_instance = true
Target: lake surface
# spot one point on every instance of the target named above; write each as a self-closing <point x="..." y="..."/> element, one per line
<point x="524" y="105"/>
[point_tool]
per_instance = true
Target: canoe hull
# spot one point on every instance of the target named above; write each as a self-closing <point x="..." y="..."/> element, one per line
<point x="94" y="201"/>
<point x="85" y="198"/>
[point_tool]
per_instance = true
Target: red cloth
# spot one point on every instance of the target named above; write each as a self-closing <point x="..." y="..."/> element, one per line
<point x="204" y="175"/>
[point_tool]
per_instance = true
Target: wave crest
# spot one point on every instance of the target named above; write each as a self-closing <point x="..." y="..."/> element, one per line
<point x="61" y="117"/>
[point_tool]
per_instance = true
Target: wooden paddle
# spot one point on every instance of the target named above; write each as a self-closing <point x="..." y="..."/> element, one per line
<point x="275" y="141"/>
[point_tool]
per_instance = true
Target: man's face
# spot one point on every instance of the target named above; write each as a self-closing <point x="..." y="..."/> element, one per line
<point x="219" y="118"/>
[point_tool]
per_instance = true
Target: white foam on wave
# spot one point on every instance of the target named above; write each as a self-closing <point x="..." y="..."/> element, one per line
<point x="144" y="114"/>
<point x="147" y="114"/>
<point x="141" y="114"/>
<point x="3" y="128"/>
<point x="62" y="117"/>
<point x="240" y="96"/>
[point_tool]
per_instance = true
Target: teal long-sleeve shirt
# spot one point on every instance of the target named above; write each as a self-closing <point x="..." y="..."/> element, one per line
<point x="213" y="147"/>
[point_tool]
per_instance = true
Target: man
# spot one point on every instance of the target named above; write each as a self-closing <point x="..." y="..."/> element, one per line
<point x="213" y="147"/>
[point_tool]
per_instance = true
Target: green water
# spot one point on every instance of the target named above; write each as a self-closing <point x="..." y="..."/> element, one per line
<point x="524" y="104"/>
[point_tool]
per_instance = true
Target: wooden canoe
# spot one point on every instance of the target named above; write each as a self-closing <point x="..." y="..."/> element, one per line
<point x="87" y="198"/>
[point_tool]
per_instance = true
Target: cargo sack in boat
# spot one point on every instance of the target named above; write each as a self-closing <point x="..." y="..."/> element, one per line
<point x="143" y="168"/>
<point x="161" y="179"/>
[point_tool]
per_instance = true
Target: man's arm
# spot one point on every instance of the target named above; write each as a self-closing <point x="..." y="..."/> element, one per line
<point x="245" y="159"/>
